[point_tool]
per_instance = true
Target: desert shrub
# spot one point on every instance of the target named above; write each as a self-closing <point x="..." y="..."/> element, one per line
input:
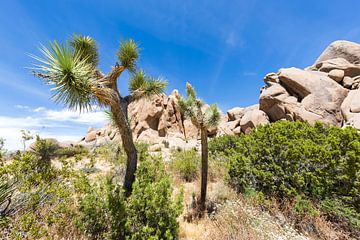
<point x="142" y="151"/>
<point x="2" y="152"/>
<point x="151" y="210"/>
<point x="72" y="151"/>
<point x="149" y="213"/>
<point x="43" y="200"/>
<point x="102" y="212"/>
<point x="186" y="164"/>
<point x="221" y="145"/>
<point x="287" y="159"/>
<point x="44" y="150"/>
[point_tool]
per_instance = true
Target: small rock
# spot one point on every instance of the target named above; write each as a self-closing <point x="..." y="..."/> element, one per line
<point x="90" y="136"/>
<point x="156" y="147"/>
<point x="348" y="82"/>
<point x="336" y="75"/>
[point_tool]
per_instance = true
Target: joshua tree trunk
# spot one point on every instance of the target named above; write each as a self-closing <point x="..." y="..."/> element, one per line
<point x="129" y="147"/>
<point x="119" y="111"/>
<point x="204" y="167"/>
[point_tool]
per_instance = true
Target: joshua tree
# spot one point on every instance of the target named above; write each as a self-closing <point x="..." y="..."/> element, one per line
<point x="72" y="69"/>
<point x="203" y="118"/>
<point x="25" y="136"/>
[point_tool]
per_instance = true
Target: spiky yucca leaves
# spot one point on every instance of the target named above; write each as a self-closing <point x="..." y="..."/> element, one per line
<point x="128" y="54"/>
<point x="7" y="187"/>
<point x="71" y="68"/>
<point x="110" y="116"/>
<point x="69" y="73"/>
<point x="141" y="85"/>
<point x="212" y="116"/>
<point x="86" y="48"/>
<point x="193" y="108"/>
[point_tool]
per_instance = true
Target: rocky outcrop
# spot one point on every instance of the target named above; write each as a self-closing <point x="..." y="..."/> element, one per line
<point x="327" y="91"/>
<point x="349" y="51"/>
<point x="322" y="92"/>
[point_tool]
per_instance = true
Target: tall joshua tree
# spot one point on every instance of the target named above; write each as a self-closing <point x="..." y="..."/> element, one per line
<point x="72" y="69"/>
<point x="203" y="118"/>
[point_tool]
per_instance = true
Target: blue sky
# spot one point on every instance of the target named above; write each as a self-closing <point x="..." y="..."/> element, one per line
<point x="224" y="48"/>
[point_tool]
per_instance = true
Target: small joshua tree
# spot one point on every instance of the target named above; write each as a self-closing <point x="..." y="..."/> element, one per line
<point x="72" y="69"/>
<point x="25" y="136"/>
<point x="203" y="118"/>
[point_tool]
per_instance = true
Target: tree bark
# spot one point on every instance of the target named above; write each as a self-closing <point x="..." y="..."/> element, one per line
<point x="204" y="167"/>
<point x="119" y="109"/>
<point x="128" y="144"/>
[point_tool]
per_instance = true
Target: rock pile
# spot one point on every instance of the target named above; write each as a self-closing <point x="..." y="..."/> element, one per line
<point x="328" y="91"/>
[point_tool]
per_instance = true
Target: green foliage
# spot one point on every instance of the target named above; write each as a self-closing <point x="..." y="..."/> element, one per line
<point x="70" y="74"/>
<point x="142" y="150"/>
<point x="44" y="197"/>
<point x="7" y="188"/>
<point x="2" y="152"/>
<point x="141" y="85"/>
<point x="151" y="212"/>
<point x="102" y="212"/>
<point x="72" y="151"/>
<point x="86" y="48"/>
<point x="186" y="164"/>
<point x="128" y="54"/>
<point x="193" y="108"/>
<point x="223" y="145"/>
<point x="304" y="206"/>
<point x="286" y="159"/>
<point x="340" y="210"/>
<point x="44" y="150"/>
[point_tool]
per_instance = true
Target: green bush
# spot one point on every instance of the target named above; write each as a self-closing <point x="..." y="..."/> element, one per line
<point x="43" y="198"/>
<point x="72" y="151"/>
<point x="44" y="150"/>
<point x="1" y="149"/>
<point x="149" y="213"/>
<point x="186" y="164"/>
<point x="102" y="212"/>
<point x="287" y="159"/>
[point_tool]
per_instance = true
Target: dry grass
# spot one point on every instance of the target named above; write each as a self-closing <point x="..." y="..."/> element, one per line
<point x="232" y="218"/>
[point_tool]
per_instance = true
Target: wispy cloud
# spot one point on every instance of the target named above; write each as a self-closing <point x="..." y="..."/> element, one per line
<point x="60" y="124"/>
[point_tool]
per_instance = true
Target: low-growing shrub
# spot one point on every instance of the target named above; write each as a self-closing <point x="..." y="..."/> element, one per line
<point x="44" y="150"/>
<point x="150" y="212"/>
<point x="72" y="151"/>
<point x="151" y="209"/>
<point x="186" y="164"/>
<point x="288" y="159"/>
<point x="102" y="212"/>
<point x="43" y="200"/>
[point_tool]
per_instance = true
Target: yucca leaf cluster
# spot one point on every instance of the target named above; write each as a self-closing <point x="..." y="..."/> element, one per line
<point x="195" y="109"/>
<point x="71" y="68"/>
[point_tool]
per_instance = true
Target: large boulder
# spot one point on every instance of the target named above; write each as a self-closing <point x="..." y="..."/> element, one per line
<point x="341" y="49"/>
<point x="235" y="113"/>
<point x="342" y="64"/>
<point x="317" y="94"/>
<point x="351" y="109"/>
<point x="253" y="118"/>
<point x="90" y="136"/>
<point x="149" y="136"/>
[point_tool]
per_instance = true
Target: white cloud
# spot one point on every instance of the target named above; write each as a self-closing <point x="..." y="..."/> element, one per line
<point x="22" y="107"/>
<point x="39" y="109"/>
<point x="63" y="125"/>
<point x="70" y="116"/>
